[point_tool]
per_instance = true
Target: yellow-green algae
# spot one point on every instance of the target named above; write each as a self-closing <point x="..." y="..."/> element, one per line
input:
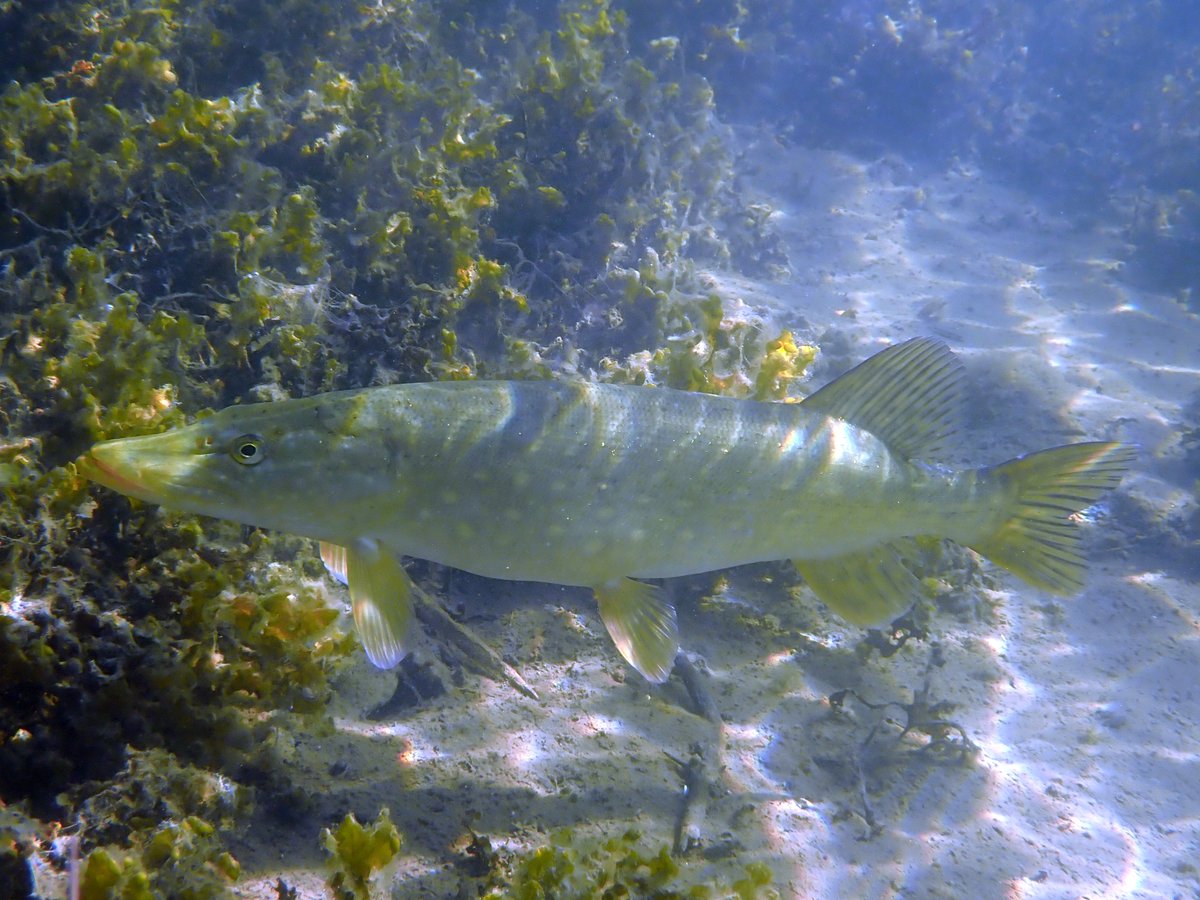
<point x="186" y="225"/>
<point x="206" y="204"/>
<point x="358" y="852"/>
<point x="622" y="865"/>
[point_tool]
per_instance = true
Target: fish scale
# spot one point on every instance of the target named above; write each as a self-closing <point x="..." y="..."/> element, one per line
<point x="605" y="480"/>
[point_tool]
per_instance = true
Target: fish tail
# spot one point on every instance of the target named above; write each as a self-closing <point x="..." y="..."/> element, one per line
<point x="1039" y="540"/>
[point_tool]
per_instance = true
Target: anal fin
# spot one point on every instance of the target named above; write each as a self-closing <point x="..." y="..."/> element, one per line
<point x="642" y="625"/>
<point x="380" y="598"/>
<point x="869" y="588"/>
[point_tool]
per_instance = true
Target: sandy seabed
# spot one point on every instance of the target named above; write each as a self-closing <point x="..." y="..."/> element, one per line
<point x="1083" y="711"/>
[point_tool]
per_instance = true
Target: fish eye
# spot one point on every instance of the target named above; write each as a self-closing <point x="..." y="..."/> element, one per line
<point x="248" y="449"/>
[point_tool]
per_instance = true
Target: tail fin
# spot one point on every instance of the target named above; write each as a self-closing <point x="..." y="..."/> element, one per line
<point x="1039" y="542"/>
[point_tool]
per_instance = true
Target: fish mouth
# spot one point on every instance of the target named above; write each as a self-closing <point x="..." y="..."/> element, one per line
<point x="132" y="467"/>
<point x="93" y="468"/>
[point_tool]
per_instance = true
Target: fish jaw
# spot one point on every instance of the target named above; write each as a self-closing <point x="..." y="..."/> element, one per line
<point x="156" y="468"/>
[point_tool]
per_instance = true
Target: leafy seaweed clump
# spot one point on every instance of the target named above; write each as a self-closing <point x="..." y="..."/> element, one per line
<point x="573" y="867"/>
<point x="358" y="852"/>
<point x="173" y="653"/>
<point x="709" y="344"/>
<point x="209" y="203"/>
<point x="177" y="859"/>
<point x="185" y="226"/>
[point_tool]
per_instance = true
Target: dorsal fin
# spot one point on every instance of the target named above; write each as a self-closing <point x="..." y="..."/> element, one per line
<point x="909" y="396"/>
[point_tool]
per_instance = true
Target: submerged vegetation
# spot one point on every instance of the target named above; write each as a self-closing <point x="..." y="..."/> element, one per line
<point x="206" y="203"/>
<point x="357" y="853"/>
<point x="576" y="868"/>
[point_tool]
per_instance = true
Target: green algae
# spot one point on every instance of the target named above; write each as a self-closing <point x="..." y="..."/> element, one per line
<point x="357" y="852"/>
<point x="187" y="226"/>
<point x="178" y="859"/>
<point x="157" y="826"/>
<point x="577" y="867"/>
<point x="235" y="203"/>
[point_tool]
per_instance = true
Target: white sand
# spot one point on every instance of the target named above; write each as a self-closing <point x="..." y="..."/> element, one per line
<point x="1084" y="709"/>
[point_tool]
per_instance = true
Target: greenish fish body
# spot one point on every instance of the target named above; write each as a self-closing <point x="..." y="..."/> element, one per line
<point x="596" y="485"/>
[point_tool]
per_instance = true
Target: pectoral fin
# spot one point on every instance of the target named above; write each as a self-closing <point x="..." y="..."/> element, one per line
<point x="334" y="557"/>
<point x="642" y="625"/>
<point x="380" y="597"/>
<point x="869" y="588"/>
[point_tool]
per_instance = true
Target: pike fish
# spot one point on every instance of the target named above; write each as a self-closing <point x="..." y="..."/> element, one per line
<point x="602" y="485"/>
